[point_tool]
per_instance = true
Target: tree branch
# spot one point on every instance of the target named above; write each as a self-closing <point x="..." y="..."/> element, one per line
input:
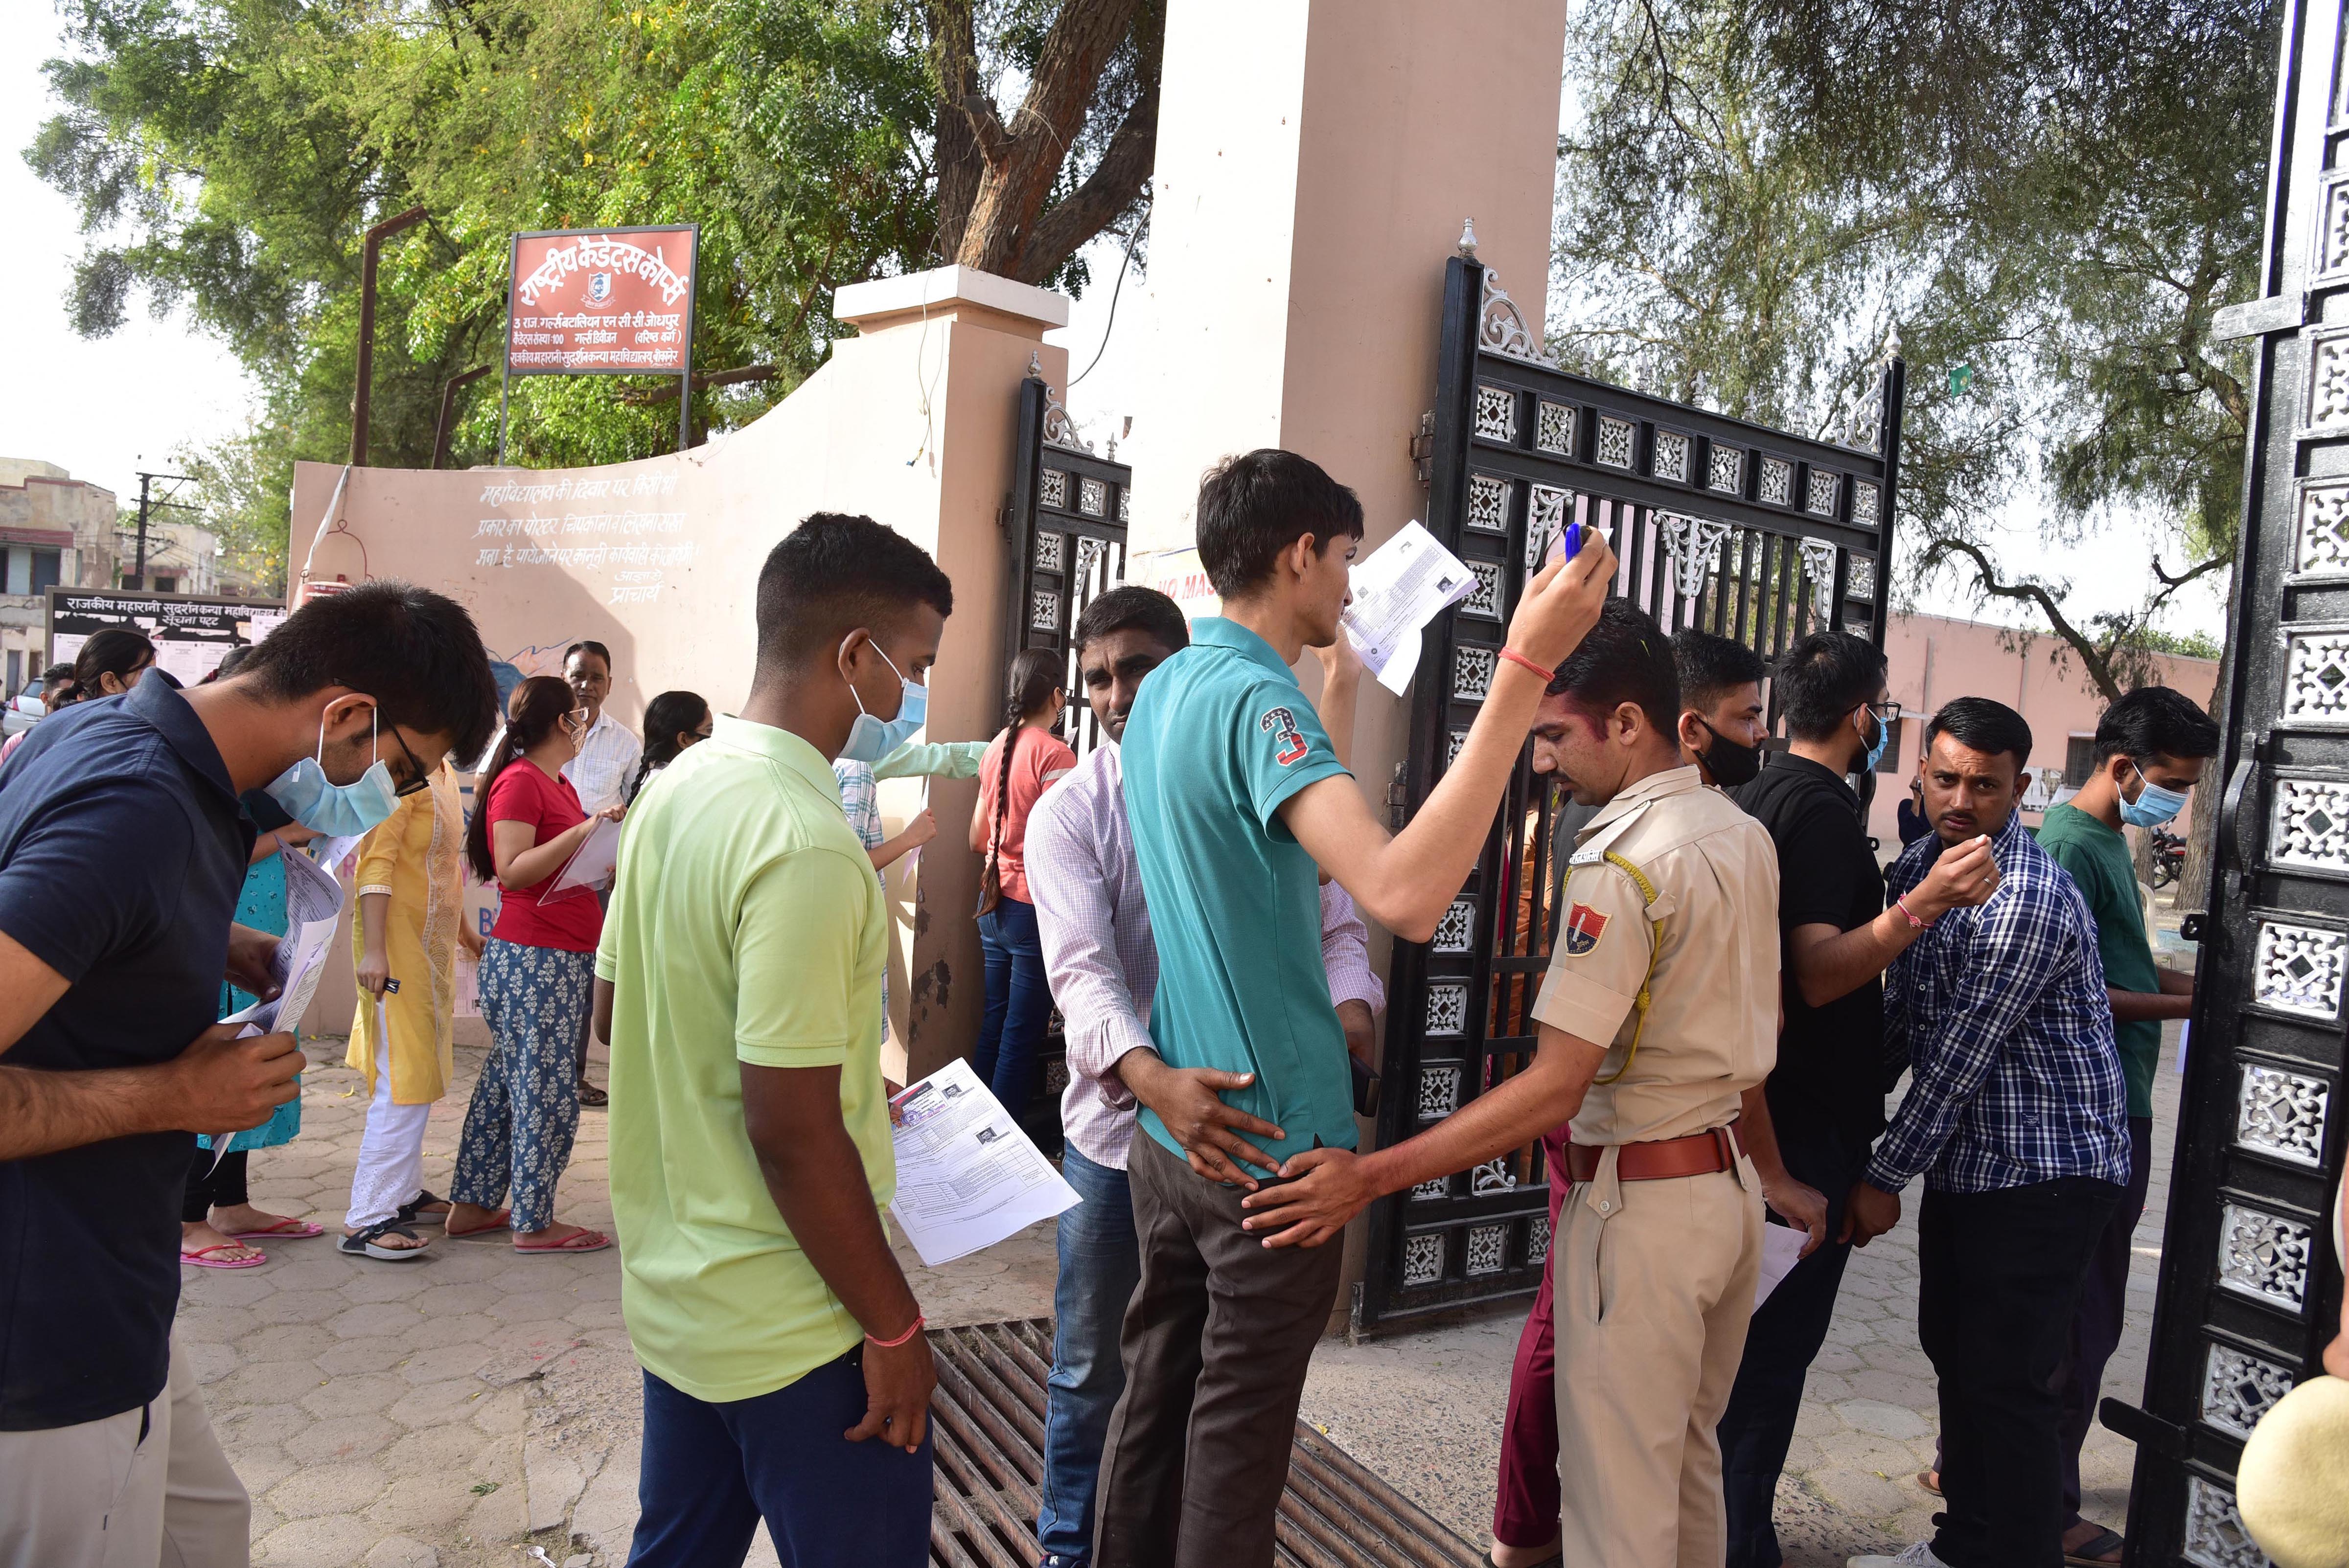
<point x="2096" y="658"/>
<point x="1116" y="182"/>
<point x="649" y="397"/>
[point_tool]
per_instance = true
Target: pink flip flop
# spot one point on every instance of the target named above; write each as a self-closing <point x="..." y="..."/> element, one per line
<point x="582" y="1241"/>
<point x="288" y="1230"/>
<point x="200" y="1259"/>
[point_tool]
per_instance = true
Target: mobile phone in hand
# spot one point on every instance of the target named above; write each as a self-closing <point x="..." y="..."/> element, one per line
<point x="1566" y="545"/>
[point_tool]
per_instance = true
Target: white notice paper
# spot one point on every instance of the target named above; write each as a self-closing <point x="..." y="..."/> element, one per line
<point x="1782" y="1245"/>
<point x="591" y="865"/>
<point x="1406" y="583"/>
<point x="967" y="1176"/>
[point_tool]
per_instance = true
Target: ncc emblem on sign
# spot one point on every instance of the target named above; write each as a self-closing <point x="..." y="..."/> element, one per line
<point x="1584" y="927"/>
<point x="599" y="287"/>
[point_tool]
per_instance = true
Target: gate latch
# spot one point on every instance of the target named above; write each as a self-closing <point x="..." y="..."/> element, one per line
<point x="1423" y="446"/>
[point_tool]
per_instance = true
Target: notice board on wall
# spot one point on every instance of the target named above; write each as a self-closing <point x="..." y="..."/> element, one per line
<point x="192" y="633"/>
<point x="602" y="302"/>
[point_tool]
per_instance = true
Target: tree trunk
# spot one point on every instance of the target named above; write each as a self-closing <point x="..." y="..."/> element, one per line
<point x="954" y="55"/>
<point x="1023" y="159"/>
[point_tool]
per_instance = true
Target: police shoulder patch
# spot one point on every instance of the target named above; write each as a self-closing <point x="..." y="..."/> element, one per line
<point x="1281" y="724"/>
<point x="1584" y="927"/>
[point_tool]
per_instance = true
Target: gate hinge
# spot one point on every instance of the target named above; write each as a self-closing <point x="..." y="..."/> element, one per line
<point x="2167" y="1438"/>
<point x="1423" y="446"/>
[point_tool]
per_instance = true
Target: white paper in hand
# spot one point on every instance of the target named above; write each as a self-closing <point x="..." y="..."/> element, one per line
<point x="967" y="1176"/>
<point x="314" y="908"/>
<point x="1406" y="583"/>
<point x="591" y="865"/>
<point x="1782" y="1248"/>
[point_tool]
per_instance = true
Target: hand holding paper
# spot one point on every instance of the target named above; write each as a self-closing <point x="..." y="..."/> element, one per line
<point x="967" y="1176"/>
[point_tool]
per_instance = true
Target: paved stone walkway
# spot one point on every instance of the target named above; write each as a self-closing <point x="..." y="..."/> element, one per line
<point x="478" y="1408"/>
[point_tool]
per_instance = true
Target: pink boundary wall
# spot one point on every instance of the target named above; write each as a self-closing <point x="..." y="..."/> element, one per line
<point x="912" y="422"/>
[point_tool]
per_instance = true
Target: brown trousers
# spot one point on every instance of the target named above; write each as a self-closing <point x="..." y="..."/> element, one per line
<point x="1215" y="1344"/>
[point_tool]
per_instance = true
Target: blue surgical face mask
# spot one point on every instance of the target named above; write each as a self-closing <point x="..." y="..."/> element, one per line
<point x="2153" y="806"/>
<point x="338" y="810"/>
<point x="1876" y="747"/>
<point x="869" y="738"/>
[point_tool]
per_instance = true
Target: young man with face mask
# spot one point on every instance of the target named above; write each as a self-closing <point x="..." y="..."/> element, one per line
<point x="739" y="983"/>
<point x="2150" y="748"/>
<point x="1103" y="968"/>
<point x="123" y="852"/>
<point x="2016" y="1118"/>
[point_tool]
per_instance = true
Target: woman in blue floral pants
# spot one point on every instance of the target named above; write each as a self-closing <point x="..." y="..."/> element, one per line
<point x="537" y="974"/>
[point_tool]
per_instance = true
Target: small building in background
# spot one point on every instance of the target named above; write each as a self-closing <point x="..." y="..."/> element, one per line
<point x="56" y="531"/>
<point x="1933" y="658"/>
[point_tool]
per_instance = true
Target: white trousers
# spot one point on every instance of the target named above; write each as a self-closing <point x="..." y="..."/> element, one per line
<point x="147" y="1489"/>
<point x="390" y="1170"/>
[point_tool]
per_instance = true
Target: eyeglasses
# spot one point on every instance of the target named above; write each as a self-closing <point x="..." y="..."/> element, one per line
<point x="1885" y="712"/>
<point x="422" y="778"/>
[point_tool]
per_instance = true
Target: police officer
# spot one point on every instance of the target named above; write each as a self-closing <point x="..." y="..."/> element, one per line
<point x="1659" y="1012"/>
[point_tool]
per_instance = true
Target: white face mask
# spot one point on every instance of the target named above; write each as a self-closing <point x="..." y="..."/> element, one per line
<point x="338" y="810"/>
<point x="869" y="738"/>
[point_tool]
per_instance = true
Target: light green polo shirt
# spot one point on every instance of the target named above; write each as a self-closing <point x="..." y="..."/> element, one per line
<point x="746" y="926"/>
<point x="1220" y="738"/>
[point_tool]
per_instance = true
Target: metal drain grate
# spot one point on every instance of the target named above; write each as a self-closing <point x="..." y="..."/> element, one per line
<point x="989" y="1419"/>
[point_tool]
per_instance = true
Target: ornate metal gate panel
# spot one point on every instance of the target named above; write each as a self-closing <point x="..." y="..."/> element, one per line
<point x="1067" y="524"/>
<point x="1065" y="527"/>
<point x="1744" y="530"/>
<point x="2250" y="1288"/>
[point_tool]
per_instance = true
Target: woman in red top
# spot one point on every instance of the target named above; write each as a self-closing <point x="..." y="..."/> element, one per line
<point x="537" y="974"/>
<point x="1023" y="761"/>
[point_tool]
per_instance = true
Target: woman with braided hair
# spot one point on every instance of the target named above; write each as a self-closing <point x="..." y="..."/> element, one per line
<point x="1021" y="764"/>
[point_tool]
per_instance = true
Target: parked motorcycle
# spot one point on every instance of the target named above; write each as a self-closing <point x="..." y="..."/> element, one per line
<point x="2168" y="858"/>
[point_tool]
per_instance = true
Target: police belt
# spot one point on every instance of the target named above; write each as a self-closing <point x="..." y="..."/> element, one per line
<point x="1698" y="1154"/>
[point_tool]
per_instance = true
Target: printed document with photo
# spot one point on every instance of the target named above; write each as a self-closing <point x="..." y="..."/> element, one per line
<point x="967" y="1176"/>
<point x="1406" y="583"/>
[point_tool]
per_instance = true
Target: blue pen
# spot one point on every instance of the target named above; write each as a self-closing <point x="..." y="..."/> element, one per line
<point x="1569" y="542"/>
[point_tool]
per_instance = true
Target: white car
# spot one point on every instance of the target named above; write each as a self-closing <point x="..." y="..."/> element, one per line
<point x="24" y="710"/>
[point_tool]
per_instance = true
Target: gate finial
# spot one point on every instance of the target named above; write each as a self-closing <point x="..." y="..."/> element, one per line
<point x="1035" y="367"/>
<point x="1892" y="344"/>
<point x="1468" y="238"/>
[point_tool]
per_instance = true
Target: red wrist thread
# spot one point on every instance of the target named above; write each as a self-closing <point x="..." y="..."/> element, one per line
<point x="892" y="1344"/>
<point x="1900" y="902"/>
<point x="1517" y="659"/>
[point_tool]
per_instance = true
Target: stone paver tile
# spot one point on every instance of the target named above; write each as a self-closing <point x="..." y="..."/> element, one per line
<point x="261" y="1466"/>
<point x="375" y="1280"/>
<point x="1863" y="1494"/>
<point x="261" y="1426"/>
<point x="450" y="1297"/>
<point x="436" y="1362"/>
<point x="504" y="1414"/>
<point x="456" y="1331"/>
<point x="282" y="1342"/>
<point x="325" y="1271"/>
<point x="298" y="1306"/>
<point x="595" y="1315"/>
<point x="1916" y="1392"/>
<point x="344" y="1392"/>
<point x="1884" y="1420"/>
<point x="452" y="1399"/>
<point x="400" y="1551"/>
<point x="211" y="1359"/>
<point x="264" y="1383"/>
<point x="317" y="1490"/>
<point x="540" y="1305"/>
<point x="553" y="1482"/>
<point x="348" y="1438"/>
<point x="375" y="1320"/>
<point x="421" y="1503"/>
<point x="449" y="1448"/>
<point x="215" y="1325"/>
<point x="315" y="1542"/>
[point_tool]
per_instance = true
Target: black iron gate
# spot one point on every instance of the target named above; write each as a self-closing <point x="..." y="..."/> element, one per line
<point x="1065" y="526"/>
<point x="1742" y="530"/>
<point x="2249" y="1289"/>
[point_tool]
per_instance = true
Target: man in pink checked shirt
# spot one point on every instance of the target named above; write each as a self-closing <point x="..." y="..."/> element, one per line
<point x="1104" y="970"/>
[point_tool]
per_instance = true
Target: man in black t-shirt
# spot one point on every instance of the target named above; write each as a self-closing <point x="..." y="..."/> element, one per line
<point x="122" y="852"/>
<point x="1827" y="1093"/>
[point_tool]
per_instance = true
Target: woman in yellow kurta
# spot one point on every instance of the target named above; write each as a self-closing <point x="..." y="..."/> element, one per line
<point x="411" y="919"/>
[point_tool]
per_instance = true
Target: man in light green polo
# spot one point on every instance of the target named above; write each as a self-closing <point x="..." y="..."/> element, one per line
<point x="739" y="983"/>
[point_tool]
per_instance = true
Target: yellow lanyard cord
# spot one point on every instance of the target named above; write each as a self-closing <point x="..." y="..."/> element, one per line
<point x="1655" y="942"/>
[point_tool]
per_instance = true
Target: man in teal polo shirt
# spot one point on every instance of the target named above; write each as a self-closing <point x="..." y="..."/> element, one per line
<point x="738" y="981"/>
<point x="1238" y="804"/>
<point x="2150" y="747"/>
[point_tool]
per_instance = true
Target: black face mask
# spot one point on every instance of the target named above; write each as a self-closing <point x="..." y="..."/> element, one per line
<point x="1729" y="763"/>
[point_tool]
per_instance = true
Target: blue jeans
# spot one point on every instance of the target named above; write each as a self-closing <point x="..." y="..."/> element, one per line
<point x="1100" y="1263"/>
<point x="1018" y="1004"/>
<point x="710" y="1471"/>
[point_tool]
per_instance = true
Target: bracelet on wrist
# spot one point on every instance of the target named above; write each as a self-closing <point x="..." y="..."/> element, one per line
<point x="893" y="1344"/>
<point x="1515" y="657"/>
<point x="1900" y="902"/>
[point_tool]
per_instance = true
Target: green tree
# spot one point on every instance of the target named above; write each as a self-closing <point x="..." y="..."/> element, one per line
<point x="2049" y="199"/>
<point x="227" y="154"/>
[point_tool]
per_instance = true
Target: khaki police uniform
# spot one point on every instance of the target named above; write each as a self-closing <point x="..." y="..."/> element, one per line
<point x="1668" y="948"/>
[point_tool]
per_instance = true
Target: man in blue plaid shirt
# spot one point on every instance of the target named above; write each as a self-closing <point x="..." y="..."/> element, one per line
<point x="2015" y="1115"/>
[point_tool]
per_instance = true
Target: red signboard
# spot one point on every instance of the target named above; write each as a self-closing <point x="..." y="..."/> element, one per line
<point x="602" y="302"/>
